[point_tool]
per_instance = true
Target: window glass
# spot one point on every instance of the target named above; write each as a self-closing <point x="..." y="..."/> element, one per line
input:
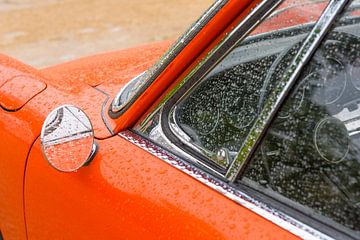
<point x="311" y="153"/>
<point x="218" y="113"/>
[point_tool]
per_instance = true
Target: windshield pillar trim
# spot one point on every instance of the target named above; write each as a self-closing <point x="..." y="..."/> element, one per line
<point x="287" y="82"/>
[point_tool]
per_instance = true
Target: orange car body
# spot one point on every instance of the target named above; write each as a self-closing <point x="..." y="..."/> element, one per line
<point x="126" y="192"/>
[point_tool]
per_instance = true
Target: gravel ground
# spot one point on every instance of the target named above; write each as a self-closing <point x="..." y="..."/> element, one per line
<point x="46" y="32"/>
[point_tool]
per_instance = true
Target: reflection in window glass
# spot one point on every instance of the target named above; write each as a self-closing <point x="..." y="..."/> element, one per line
<point x="219" y="112"/>
<point x="311" y="153"/>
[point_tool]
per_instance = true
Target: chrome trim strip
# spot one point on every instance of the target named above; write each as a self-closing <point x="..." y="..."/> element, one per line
<point x="168" y="57"/>
<point x="288" y="80"/>
<point x="280" y="219"/>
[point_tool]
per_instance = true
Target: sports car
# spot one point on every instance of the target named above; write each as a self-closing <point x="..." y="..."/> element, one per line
<point x="247" y="127"/>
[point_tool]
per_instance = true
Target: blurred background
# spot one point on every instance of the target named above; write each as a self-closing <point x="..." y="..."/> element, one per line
<point x="47" y="32"/>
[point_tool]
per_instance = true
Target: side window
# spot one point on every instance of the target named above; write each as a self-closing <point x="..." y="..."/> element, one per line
<point x="217" y="114"/>
<point x="311" y="153"/>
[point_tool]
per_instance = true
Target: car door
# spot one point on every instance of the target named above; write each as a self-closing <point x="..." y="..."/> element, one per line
<point x="128" y="193"/>
<point x="19" y="84"/>
<point x="164" y="178"/>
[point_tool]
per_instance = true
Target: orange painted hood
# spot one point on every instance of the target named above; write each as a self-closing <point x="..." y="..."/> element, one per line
<point x="109" y="71"/>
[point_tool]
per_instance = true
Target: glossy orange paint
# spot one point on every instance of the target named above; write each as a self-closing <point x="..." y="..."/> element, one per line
<point x="126" y="193"/>
<point x="16" y="137"/>
<point x="20" y="128"/>
<point x="109" y="71"/>
<point x="15" y="141"/>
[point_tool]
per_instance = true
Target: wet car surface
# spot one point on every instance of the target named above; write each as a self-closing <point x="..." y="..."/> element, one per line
<point x="247" y="127"/>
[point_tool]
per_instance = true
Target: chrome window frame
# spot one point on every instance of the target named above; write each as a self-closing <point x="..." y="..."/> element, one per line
<point x="259" y="13"/>
<point x="230" y="172"/>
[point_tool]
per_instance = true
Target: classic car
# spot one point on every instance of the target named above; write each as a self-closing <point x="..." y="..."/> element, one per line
<point x="248" y="127"/>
